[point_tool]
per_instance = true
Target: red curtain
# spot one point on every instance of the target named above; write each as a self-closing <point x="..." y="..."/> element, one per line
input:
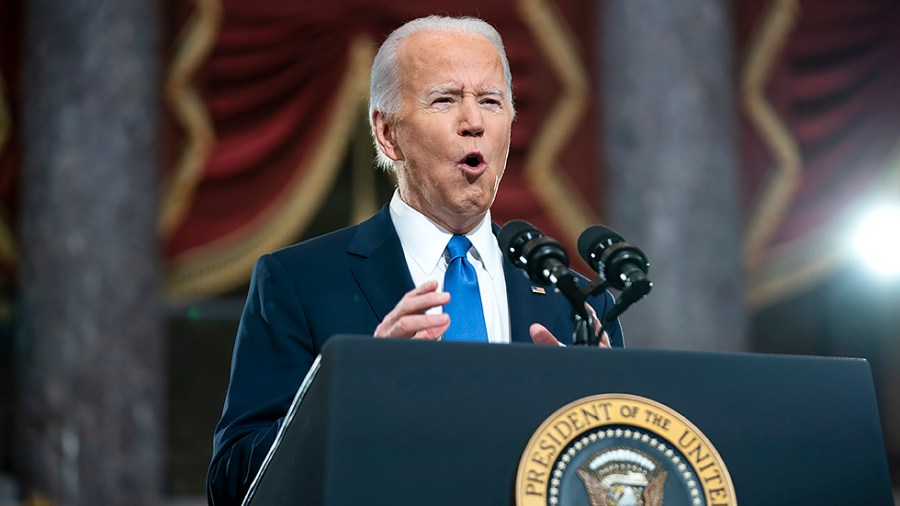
<point x="10" y="131"/>
<point x="828" y="73"/>
<point x="279" y="80"/>
<point x="262" y="97"/>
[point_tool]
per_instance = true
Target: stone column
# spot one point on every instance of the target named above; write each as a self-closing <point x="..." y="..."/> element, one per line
<point x="668" y="100"/>
<point x="90" y="344"/>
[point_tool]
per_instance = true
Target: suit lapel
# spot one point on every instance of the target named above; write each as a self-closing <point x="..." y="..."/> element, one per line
<point x="522" y="301"/>
<point x="384" y="278"/>
<point x="382" y="273"/>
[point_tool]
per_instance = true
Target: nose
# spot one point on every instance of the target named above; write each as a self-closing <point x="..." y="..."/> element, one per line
<point x="471" y="120"/>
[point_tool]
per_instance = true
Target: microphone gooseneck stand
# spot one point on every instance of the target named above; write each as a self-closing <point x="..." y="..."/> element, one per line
<point x="631" y="293"/>
<point x="546" y="262"/>
<point x="567" y="284"/>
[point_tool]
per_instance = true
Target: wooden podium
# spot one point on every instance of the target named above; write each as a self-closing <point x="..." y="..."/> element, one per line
<point x="384" y="421"/>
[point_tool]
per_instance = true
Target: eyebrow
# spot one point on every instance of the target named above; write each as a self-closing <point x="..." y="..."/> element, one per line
<point x="457" y="91"/>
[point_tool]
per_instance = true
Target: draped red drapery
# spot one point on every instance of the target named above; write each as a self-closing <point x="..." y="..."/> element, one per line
<point x="284" y="84"/>
<point x="10" y="132"/>
<point x="821" y="132"/>
<point x="263" y="97"/>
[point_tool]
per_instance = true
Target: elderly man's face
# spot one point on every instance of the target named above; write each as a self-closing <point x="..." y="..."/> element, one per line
<point x="452" y="135"/>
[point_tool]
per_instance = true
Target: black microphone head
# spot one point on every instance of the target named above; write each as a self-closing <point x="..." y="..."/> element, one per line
<point x="615" y="260"/>
<point x="532" y="251"/>
<point x="513" y="236"/>
<point x="593" y="241"/>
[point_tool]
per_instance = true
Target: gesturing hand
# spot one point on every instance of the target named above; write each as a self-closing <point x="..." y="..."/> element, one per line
<point x="408" y="318"/>
<point x="540" y="334"/>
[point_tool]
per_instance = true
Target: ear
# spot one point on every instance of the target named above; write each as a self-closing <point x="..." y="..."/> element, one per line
<point x="386" y="135"/>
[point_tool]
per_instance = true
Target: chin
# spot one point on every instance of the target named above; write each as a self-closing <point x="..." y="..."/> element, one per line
<point x="474" y="210"/>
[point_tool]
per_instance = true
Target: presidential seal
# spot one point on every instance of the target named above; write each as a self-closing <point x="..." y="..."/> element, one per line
<point x="621" y="450"/>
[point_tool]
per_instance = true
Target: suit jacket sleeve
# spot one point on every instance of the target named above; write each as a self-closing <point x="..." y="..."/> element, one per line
<point x="273" y="336"/>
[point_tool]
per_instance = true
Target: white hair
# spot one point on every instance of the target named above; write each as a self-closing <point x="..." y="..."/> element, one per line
<point x="384" y="85"/>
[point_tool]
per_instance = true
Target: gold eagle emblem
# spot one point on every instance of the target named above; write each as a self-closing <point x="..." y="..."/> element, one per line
<point x="622" y="476"/>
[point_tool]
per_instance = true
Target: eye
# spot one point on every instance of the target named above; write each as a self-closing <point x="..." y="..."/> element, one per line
<point x="442" y="100"/>
<point x="493" y="102"/>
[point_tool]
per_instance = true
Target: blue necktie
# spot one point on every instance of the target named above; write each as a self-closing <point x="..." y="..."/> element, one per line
<point x="464" y="308"/>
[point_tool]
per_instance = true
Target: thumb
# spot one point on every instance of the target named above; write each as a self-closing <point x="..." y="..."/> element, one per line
<point x="540" y="335"/>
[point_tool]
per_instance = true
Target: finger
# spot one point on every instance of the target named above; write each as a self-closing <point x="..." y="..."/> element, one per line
<point x="423" y="326"/>
<point x="540" y="335"/>
<point x="420" y="300"/>
<point x="433" y="333"/>
<point x="416" y="301"/>
<point x="604" y="340"/>
<point x="593" y="312"/>
<point x="428" y="286"/>
<point x="604" y="337"/>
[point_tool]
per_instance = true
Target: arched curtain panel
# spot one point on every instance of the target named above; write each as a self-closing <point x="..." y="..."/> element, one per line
<point x="261" y="100"/>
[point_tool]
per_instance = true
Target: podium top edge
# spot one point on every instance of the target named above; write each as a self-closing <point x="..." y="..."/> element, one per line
<point x="344" y="341"/>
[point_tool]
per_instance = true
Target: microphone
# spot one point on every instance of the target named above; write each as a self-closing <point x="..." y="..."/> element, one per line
<point x="619" y="263"/>
<point x="546" y="262"/>
<point x="541" y="257"/>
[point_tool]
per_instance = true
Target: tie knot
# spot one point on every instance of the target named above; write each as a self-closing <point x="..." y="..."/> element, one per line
<point x="458" y="246"/>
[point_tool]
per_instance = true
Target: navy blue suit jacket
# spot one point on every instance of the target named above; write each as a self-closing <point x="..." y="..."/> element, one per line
<point x="344" y="282"/>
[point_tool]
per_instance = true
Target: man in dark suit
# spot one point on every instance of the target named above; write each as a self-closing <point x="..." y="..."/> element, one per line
<point x="441" y="111"/>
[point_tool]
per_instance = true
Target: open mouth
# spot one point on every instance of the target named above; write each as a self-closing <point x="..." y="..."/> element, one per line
<point x="473" y="160"/>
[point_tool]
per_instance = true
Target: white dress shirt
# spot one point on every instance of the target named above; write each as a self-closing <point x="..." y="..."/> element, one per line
<point x="424" y="246"/>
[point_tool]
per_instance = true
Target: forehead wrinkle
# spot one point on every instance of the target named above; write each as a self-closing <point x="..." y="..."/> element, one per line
<point x="429" y="61"/>
<point x="452" y="89"/>
<point x="446" y="89"/>
<point x="458" y="91"/>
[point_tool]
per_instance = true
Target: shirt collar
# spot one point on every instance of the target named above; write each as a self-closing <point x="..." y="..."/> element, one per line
<point x="425" y="241"/>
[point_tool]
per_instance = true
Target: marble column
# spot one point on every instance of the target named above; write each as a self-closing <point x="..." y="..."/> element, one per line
<point x="668" y="99"/>
<point x="90" y="344"/>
